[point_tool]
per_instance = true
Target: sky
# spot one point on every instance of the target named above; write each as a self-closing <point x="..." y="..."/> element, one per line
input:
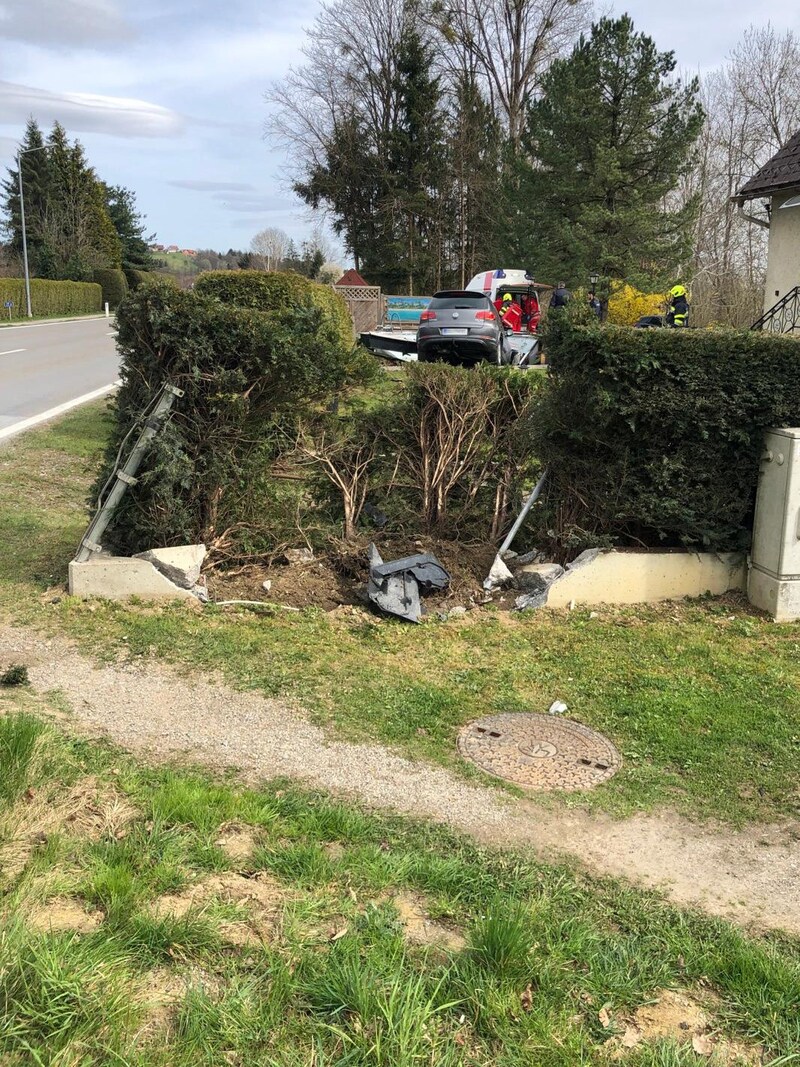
<point x="168" y="95"/>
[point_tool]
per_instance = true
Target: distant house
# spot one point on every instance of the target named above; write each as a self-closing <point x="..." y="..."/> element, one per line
<point x="351" y="277"/>
<point x="777" y="185"/>
<point x="172" y="248"/>
<point x="156" y="248"/>
<point x="188" y="252"/>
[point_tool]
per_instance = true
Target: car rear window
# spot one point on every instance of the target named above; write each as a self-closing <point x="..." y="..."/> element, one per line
<point x="460" y="300"/>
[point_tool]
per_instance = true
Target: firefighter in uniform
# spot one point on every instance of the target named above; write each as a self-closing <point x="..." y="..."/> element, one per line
<point x="678" y="314"/>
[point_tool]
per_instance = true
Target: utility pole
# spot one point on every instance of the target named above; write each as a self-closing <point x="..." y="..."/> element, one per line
<point x="20" y="154"/>
<point x="24" y="237"/>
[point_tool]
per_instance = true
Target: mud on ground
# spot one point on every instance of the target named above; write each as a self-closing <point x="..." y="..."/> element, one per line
<point x="339" y="576"/>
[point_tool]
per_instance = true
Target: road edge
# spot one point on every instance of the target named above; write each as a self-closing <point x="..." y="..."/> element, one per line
<point x="53" y="413"/>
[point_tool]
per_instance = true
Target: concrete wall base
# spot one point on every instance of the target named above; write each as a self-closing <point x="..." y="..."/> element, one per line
<point x="780" y="597"/>
<point x="120" y="577"/>
<point x="610" y="577"/>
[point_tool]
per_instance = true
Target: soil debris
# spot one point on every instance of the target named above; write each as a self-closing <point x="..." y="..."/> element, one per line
<point x="237" y="841"/>
<point x="262" y="897"/>
<point x="419" y="928"/>
<point x="63" y="915"/>
<point x="686" y="1019"/>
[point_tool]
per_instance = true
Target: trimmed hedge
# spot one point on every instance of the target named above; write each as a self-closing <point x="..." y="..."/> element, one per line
<point x="246" y="375"/>
<point x="277" y="290"/>
<point x="114" y="285"/>
<point x="654" y="436"/>
<point x="50" y="299"/>
<point x="135" y="278"/>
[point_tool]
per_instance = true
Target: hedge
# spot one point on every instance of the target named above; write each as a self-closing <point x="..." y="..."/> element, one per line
<point x="135" y="278"/>
<point x="114" y="285"/>
<point x="277" y="290"/>
<point x="50" y="299"/>
<point x="246" y="375"/>
<point x="653" y="437"/>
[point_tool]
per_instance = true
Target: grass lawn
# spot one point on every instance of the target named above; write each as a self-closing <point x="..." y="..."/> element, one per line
<point x="153" y="917"/>
<point x="702" y="698"/>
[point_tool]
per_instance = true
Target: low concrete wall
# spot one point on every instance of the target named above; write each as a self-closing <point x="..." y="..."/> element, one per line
<point x="645" y="577"/>
<point x="120" y="577"/>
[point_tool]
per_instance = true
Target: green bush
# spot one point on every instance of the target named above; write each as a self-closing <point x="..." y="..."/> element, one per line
<point x="276" y="290"/>
<point x="135" y="278"/>
<point x="246" y="376"/>
<point x="114" y="285"/>
<point x="653" y="437"/>
<point x="49" y="299"/>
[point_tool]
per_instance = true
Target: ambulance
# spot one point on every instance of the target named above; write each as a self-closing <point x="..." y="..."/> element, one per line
<point x="522" y="287"/>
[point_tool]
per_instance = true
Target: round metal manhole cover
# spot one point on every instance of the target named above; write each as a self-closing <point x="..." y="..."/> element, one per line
<point x="540" y="751"/>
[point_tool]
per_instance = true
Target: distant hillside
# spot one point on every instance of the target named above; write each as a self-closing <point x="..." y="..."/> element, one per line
<point x="177" y="262"/>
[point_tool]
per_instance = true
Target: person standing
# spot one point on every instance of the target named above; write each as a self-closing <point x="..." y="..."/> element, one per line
<point x="678" y="314"/>
<point x="595" y="306"/>
<point x="561" y="296"/>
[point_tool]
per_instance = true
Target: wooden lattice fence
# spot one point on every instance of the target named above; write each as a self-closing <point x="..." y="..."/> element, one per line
<point x="365" y="305"/>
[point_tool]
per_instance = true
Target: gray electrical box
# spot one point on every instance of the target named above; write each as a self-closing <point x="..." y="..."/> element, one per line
<point x="774" y="580"/>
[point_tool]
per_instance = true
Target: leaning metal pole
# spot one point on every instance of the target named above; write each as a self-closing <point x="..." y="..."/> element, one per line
<point x="24" y="237"/>
<point x="124" y="476"/>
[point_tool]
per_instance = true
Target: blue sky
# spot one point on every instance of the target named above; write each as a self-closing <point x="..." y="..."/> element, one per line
<point x="168" y="95"/>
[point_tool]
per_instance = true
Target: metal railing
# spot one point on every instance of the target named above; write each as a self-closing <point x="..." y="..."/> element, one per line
<point x="783" y="316"/>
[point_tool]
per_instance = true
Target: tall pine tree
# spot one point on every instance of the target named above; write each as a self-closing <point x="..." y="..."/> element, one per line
<point x="606" y="143"/>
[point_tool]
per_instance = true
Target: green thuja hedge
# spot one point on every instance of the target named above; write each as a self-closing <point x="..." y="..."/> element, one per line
<point x="49" y="299"/>
<point x="273" y="290"/>
<point x="246" y="375"/>
<point x="653" y="437"/>
<point x="114" y="285"/>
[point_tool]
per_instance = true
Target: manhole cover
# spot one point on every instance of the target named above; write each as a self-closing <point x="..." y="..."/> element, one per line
<point x="540" y="751"/>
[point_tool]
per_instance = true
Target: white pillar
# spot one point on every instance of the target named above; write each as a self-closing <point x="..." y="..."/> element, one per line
<point x="773" y="583"/>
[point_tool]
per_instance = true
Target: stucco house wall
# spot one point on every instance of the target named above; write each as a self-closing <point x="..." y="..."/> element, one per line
<point x="783" y="263"/>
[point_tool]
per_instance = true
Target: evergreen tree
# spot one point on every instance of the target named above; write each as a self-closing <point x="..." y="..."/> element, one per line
<point x="68" y="227"/>
<point x="36" y="180"/>
<point x="606" y="143"/>
<point x="129" y="224"/>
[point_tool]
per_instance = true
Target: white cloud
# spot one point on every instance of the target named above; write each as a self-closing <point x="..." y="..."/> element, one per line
<point x="253" y="202"/>
<point x="212" y="187"/>
<point x="88" y="112"/>
<point x="63" y="24"/>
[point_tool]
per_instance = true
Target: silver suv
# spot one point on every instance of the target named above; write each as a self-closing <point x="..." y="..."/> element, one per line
<point x="463" y="328"/>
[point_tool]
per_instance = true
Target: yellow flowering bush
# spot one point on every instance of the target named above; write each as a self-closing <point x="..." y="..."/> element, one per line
<point x="627" y="305"/>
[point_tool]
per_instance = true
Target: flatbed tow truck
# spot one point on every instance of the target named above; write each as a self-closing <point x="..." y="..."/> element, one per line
<point x="400" y="343"/>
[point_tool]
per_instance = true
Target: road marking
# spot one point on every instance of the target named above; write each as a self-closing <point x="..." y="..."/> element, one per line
<point x="50" y="322"/>
<point x="51" y="413"/>
<point x="11" y="351"/>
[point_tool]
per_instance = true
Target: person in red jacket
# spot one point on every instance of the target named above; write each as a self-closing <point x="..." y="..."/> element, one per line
<point x="510" y="313"/>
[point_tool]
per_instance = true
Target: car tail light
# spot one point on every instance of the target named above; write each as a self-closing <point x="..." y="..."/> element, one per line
<point x="484" y="316"/>
<point x="426" y="316"/>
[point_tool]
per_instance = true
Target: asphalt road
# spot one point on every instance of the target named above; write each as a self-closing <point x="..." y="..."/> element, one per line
<point x="45" y="368"/>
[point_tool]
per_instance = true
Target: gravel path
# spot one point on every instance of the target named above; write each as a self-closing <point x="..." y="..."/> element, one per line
<point x="751" y="877"/>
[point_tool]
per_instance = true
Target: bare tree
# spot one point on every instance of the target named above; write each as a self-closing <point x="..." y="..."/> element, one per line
<point x="511" y="43"/>
<point x="269" y="247"/>
<point x="752" y="107"/>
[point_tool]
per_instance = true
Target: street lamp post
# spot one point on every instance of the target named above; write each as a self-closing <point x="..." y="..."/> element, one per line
<point x="20" y="154"/>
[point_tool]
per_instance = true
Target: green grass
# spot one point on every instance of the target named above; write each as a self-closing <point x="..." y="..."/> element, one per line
<point x="702" y="698"/>
<point x="336" y="980"/>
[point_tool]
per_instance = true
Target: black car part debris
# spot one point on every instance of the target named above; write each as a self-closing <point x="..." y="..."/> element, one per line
<point x="376" y="515"/>
<point x="394" y="587"/>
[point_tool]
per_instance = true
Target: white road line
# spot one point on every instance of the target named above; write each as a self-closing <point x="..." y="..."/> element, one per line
<point x="51" y="413"/>
<point x="11" y="351"/>
<point x="51" y="322"/>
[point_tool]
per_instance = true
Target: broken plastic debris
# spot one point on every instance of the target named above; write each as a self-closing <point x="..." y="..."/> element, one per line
<point x="558" y="707"/>
<point x="394" y="587"/>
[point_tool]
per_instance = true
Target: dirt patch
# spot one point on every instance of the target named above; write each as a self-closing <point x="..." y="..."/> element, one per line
<point x="418" y="926"/>
<point x="91" y="809"/>
<point x="162" y="993"/>
<point x="237" y="841"/>
<point x="63" y="915"/>
<point x="262" y="897"/>
<point x="338" y="578"/>
<point x="687" y="1020"/>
